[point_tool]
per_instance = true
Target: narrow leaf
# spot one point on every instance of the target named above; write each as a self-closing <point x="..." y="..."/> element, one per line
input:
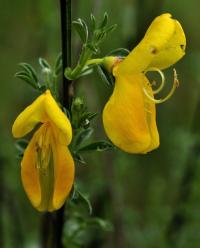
<point x="103" y="224"/>
<point x="30" y="70"/>
<point x="77" y="157"/>
<point x="97" y="146"/>
<point x="25" y="77"/>
<point x="105" y="21"/>
<point x="82" y="197"/>
<point x="119" y="52"/>
<point x="83" y="135"/>
<point x="107" y="77"/>
<point x="44" y="64"/>
<point x="58" y="64"/>
<point x="93" y="48"/>
<point x="21" y="145"/>
<point x="89" y="116"/>
<point x="80" y="29"/>
<point x="110" y="29"/>
<point x="93" y="22"/>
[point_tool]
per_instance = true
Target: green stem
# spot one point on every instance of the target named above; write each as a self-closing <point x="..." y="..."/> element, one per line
<point x="94" y="61"/>
<point x="85" y="55"/>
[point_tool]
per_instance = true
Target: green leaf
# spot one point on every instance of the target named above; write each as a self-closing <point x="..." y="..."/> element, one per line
<point x="85" y="119"/>
<point x="86" y="71"/>
<point x="85" y="28"/>
<point x="93" y="22"/>
<point x="44" y="64"/>
<point x="105" y="21"/>
<point x="21" y="145"/>
<point x="93" y="48"/>
<point x="58" y="64"/>
<point x="78" y="196"/>
<point x="119" y="52"/>
<point x="83" y="135"/>
<point x="82" y="30"/>
<point x="110" y="29"/>
<point x="103" y="224"/>
<point x="77" y="157"/>
<point x="30" y="70"/>
<point x="89" y="115"/>
<point x="100" y="36"/>
<point x="107" y="77"/>
<point x="99" y="146"/>
<point x="27" y="78"/>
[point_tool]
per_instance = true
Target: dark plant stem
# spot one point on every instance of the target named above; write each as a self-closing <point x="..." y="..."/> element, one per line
<point x="65" y="11"/>
<point x="53" y="224"/>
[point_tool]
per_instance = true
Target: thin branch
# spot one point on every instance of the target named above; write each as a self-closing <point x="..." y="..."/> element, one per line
<point x="65" y="10"/>
<point x="66" y="23"/>
<point x="53" y="223"/>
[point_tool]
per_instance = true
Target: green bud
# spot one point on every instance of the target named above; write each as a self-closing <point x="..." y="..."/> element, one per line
<point x="78" y="104"/>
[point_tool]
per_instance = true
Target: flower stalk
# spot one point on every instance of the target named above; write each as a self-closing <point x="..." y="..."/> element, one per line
<point x="66" y="23"/>
<point x="57" y="219"/>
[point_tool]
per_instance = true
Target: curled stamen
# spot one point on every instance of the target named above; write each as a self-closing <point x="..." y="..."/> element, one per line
<point x="162" y="79"/>
<point x="175" y="85"/>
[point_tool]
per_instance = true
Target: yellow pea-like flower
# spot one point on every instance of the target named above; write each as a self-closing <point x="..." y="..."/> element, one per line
<point x="129" y="117"/>
<point x="47" y="167"/>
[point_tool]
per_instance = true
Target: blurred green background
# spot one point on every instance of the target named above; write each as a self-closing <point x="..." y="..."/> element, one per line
<point x="152" y="200"/>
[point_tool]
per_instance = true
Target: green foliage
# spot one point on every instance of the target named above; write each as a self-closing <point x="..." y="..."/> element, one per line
<point x="29" y="75"/>
<point x="82" y="29"/>
<point x="119" y="52"/>
<point x="97" y="146"/>
<point x="79" y="197"/>
<point x="80" y="221"/>
<point x="91" y="38"/>
<point x="47" y="78"/>
<point x="81" y="119"/>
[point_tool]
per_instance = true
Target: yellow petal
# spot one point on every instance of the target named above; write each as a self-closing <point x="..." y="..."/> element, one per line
<point x="125" y="117"/>
<point x="43" y="109"/>
<point x="31" y="116"/>
<point x="29" y="172"/>
<point x="64" y="172"/>
<point x="173" y="51"/>
<point x="56" y="116"/>
<point x="158" y="37"/>
<point x="47" y="170"/>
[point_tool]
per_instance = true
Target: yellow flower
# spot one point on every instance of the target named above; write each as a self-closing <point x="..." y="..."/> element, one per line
<point x="129" y="116"/>
<point x="47" y="167"/>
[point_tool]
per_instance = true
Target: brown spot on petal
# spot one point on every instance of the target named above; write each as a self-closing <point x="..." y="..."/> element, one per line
<point x="182" y="47"/>
<point x="153" y="50"/>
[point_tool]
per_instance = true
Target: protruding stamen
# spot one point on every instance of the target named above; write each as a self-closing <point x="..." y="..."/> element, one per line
<point x="162" y="79"/>
<point x="175" y="85"/>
